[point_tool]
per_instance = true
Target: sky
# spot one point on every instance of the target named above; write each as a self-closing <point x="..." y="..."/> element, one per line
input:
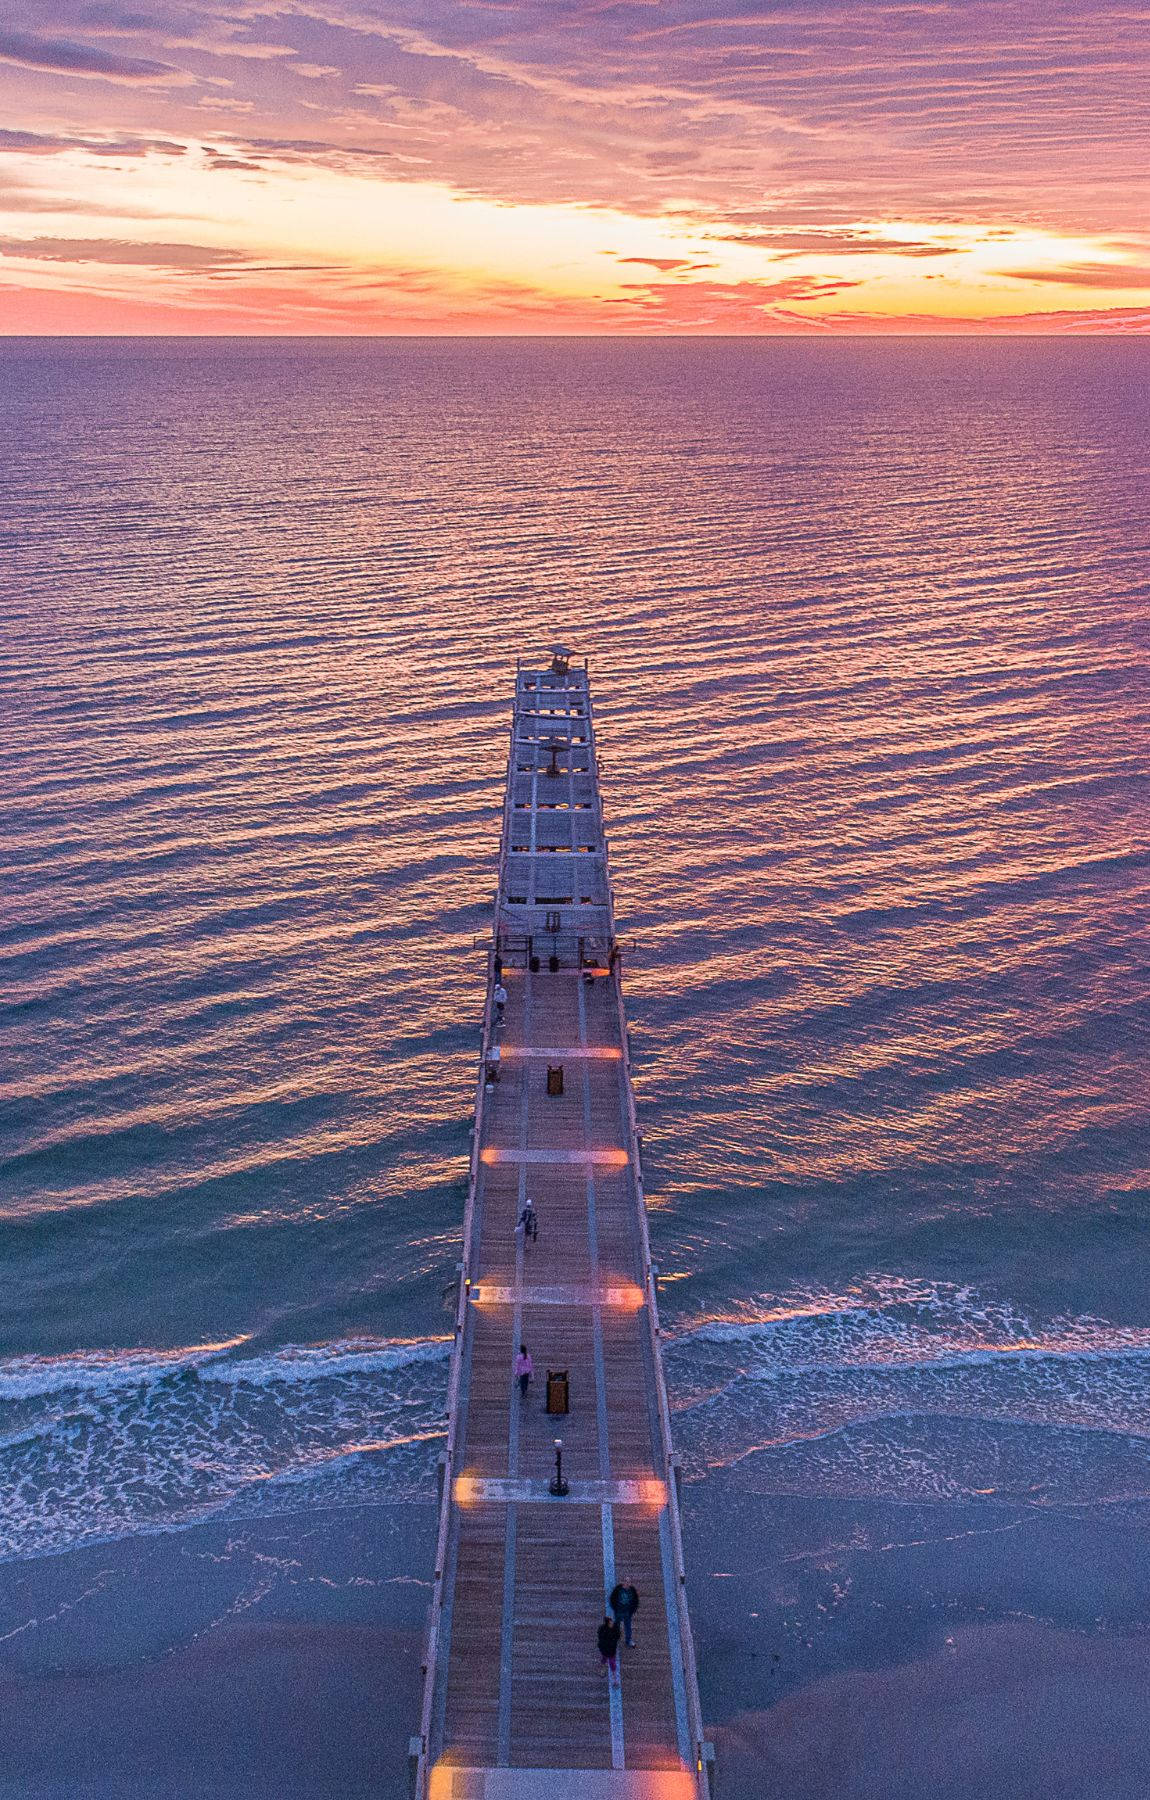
<point x="574" y="166"/>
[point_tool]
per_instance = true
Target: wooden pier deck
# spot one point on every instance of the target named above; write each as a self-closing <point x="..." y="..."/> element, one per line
<point x="516" y="1703"/>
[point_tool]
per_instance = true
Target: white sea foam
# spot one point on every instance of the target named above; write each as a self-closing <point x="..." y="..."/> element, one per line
<point x="100" y="1445"/>
<point x="897" y="1323"/>
<point x="915" y="1391"/>
<point x="103" y="1371"/>
<point x="892" y="1389"/>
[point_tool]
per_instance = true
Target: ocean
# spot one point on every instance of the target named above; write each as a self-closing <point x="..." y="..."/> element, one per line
<point x="867" y="625"/>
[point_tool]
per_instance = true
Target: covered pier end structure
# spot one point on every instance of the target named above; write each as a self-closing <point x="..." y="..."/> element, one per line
<point x="516" y="1701"/>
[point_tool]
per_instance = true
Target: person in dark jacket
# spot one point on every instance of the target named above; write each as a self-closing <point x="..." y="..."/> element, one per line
<point x="609" y="1644"/>
<point x="624" y="1603"/>
<point x="528" y="1222"/>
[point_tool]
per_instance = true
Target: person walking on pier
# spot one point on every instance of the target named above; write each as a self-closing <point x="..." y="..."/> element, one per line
<point x="524" y="1370"/>
<point x="624" y="1603"/>
<point x="528" y="1222"/>
<point x="608" y="1641"/>
<point x="500" y="999"/>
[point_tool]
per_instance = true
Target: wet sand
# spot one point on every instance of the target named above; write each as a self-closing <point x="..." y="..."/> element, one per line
<point x="1002" y="1712"/>
<point x="256" y="1709"/>
<point x="278" y="1658"/>
<point x="853" y="1650"/>
<point x="848" y="1651"/>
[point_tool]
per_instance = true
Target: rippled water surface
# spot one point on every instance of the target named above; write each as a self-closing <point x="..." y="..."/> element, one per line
<point x="867" y="625"/>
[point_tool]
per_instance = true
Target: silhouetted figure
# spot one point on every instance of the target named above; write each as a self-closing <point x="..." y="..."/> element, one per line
<point x="624" y="1603"/>
<point x="608" y="1641"/>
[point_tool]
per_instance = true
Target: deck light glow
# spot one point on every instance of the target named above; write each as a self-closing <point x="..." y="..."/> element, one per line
<point x="615" y="1296"/>
<point x="449" y="1779"/>
<point x="653" y="1493"/>
<point x="494" y="1155"/>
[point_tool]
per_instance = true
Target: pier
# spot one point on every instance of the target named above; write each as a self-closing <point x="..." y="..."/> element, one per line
<point x="534" y="1533"/>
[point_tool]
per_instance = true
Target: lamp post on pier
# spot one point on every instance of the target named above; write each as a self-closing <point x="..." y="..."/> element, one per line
<point x="558" y="1485"/>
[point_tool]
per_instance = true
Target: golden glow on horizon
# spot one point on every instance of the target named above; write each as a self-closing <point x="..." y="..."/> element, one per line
<point x="323" y="248"/>
<point x="842" y="170"/>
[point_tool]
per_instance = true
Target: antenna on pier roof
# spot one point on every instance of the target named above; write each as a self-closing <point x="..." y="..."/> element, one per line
<point x="560" y="657"/>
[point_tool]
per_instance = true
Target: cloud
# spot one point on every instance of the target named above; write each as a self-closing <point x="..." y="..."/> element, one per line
<point x="314" y="149"/>
<point x="821" y="98"/>
<point x="215" y="160"/>
<point x="229" y="46"/>
<point x="1087" y="275"/>
<point x="750" y="131"/>
<point x="664" y="263"/>
<point x="58" y="56"/>
<point x="122" y="252"/>
<point x="840" y="243"/>
<point x="44" y="143"/>
<point x="721" y="306"/>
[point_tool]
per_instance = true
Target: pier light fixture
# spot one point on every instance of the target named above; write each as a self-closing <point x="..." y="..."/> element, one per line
<point x="652" y="1493"/>
<point x="465" y="1490"/>
<point x="558" y="1486"/>
<point x="605" y="1158"/>
<point x="624" y="1296"/>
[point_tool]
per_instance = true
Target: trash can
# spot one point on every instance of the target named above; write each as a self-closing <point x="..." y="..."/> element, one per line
<point x="557" y="1392"/>
<point x="554" y="1078"/>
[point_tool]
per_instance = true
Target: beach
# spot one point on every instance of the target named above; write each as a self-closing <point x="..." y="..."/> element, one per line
<point x="277" y="1658"/>
<point x="858" y="1651"/>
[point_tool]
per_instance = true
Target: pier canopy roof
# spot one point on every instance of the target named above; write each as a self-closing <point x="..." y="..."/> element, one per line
<point x="554" y="897"/>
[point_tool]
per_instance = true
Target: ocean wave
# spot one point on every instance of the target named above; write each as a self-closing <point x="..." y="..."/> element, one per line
<point x="898" y="1322"/>
<point x="874" y="669"/>
<point x="892" y="1389"/>
<point x="100" y="1445"/>
<point x="915" y="1391"/>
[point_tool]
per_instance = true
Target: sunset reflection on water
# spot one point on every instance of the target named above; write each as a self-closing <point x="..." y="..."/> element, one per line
<point x="866" y="632"/>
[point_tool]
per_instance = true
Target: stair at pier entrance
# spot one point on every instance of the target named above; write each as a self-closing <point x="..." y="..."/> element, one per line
<point x="516" y="1702"/>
